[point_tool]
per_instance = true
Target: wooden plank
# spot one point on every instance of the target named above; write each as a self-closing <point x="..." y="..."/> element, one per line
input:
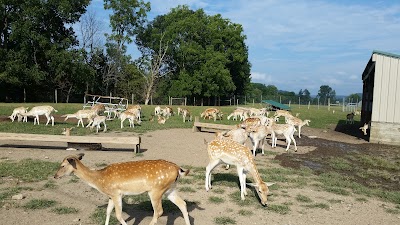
<point x="211" y="126"/>
<point x="135" y="141"/>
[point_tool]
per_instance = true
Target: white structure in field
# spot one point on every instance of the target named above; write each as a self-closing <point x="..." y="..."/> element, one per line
<point x="381" y="97"/>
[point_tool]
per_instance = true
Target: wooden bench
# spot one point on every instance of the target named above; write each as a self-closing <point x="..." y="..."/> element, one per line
<point x="210" y="127"/>
<point x="133" y="141"/>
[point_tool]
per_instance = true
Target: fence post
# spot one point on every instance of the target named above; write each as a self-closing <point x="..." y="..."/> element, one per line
<point x="55" y="94"/>
<point x="329" y="104"/>
<point x="308" y="104"/>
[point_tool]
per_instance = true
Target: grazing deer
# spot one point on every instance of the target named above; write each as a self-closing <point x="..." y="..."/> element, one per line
<point x="37" y="111"/>
<point x="156" y="177"/>
<point x="350" y="118"/>
<point x="231" y="152"/>
<point x="17" y="112"/>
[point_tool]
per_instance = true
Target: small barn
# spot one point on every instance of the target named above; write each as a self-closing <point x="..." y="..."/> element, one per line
<point x="381" y="97"/>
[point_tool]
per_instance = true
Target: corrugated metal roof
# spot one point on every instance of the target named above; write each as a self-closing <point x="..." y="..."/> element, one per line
<point x="277" y="104"/>
<point x="386" y="54"/>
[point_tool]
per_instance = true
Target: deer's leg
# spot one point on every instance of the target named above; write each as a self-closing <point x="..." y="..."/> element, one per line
<point x="118" y="209"/>
<point x="178" y="201"/>
<point x="211" y="165"/>
<point x="155" y="197"/>
<point x="110" y="207"/>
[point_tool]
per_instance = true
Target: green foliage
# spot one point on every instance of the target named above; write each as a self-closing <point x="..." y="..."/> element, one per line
<point x="207" y="53"/>
<point x="35" y="34"/>
<point x="326" y="92"/>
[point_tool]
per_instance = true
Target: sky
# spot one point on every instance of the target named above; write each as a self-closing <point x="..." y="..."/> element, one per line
<point x="300" y="44"/>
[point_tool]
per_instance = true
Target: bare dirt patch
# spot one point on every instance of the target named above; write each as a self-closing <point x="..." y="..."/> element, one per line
<point x="188" y="149"/>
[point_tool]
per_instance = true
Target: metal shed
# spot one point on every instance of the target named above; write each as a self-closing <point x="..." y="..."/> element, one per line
<point x="381" y="97"/>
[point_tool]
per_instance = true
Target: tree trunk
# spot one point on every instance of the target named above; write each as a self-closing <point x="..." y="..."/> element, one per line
<point x="68" y="93"/>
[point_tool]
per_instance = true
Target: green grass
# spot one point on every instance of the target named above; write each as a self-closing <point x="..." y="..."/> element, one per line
<point x="65" y="210"/>
<point x="28" y="170"/>
<point x="7" y="193"/>
<point x="50" y="184"/>
<point x="99" y="216"/>
<point x="187" y="189"/>
<point x="303" y="198"/>
<point x="223" y="220"/>
<point x="216" y="200"/>
<point x="280" y="209"/>
<point x="244" y="212"/>
<point x="318" y="205"/>
<point x="39" y="204"/>
<point x="320" y="118"/>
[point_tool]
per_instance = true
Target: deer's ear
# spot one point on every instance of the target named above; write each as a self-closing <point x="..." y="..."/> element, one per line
<point x="80" y="156"/>
<point x="72" y="162"/>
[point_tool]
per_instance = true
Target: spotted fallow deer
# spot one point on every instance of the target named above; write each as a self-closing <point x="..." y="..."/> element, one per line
<point x="230" y="152"/>
<point x="156" y="177"/>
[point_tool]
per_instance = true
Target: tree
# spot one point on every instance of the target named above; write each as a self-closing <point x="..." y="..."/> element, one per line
<point x="207" y="56"/>
<point x="326" y="92"/>
<point x="152" y="66"/>
<point x="354" y="97"/>
<point x="127" y="18"/>
<point x="304" y="96"/>
<point x="32" y="33"/>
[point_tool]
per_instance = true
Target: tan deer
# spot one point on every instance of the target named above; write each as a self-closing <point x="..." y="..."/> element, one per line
<point x="67" y="131"/>
<point x="156" y="177"/>
<point x="233" y="153"/>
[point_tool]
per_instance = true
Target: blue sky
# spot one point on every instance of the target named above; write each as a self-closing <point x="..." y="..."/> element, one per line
<point x="301" y="44"/>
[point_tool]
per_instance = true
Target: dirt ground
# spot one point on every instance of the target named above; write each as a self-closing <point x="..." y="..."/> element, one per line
<point x="184" y="147"/>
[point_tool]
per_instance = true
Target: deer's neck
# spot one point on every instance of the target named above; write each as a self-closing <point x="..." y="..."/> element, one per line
<point x="254" y="172"/>
<point x="89" y="176"/>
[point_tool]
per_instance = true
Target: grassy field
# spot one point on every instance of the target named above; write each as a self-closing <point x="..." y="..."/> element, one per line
<point x="320" y="118"/>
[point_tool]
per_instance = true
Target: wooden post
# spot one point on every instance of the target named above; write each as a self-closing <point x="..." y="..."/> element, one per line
<point x="318" y="103"/>
<point x="194" y="101"/>
<point x="290" y="102"/>
<point x="194" y="128"/>
<point x="308" y="104"/>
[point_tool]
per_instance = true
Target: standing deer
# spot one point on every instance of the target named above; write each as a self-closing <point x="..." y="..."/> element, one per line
<point x="156" y="177"/>
<point x="233" y="153"/>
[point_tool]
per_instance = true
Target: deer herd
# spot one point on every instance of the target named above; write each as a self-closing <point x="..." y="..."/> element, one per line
<point x="158" y="177"/>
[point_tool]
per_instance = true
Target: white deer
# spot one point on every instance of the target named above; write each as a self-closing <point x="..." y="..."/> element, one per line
<point x="17" y="112"/>
<point x="233" y="153"/>
<point x="156" y="177"/>
<point x="88" y="114"/>
<point x="37" y="111"/>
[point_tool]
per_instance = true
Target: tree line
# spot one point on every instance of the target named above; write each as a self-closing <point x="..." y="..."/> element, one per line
<point x="184" y="53"/>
